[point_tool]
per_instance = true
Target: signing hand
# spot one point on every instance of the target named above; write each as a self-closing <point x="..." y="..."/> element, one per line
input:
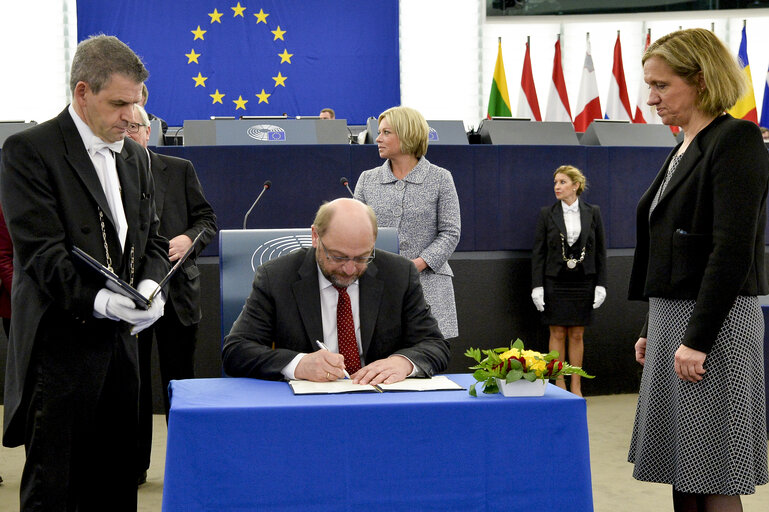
<point x="640" y="350"/>
<point x="388" y="371"/>
<point x="177" y="246"/>
<point x="689" y="364"/>
<point x="320" y="366"/>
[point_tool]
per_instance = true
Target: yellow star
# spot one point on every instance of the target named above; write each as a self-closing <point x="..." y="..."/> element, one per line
<point x="192" y="57"/>
<point x="278" y="33"/>
<point x="285" y="56"/>
<point x="238" y="12"/>
<point x="279" y="80"/>
<point x="261" y="17"/>
<point x="200" y="80"/>
<point x="199" y="33"/>
<point x="217" y="97"/>
<point x="263" y="97"/>
<point x="240" y="103"/>
<point x="216" y="16"/>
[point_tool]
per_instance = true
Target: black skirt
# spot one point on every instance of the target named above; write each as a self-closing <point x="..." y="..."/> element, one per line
<point x="569" y="298"/>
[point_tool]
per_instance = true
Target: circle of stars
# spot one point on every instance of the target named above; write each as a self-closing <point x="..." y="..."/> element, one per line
<point x="200" y="80"/>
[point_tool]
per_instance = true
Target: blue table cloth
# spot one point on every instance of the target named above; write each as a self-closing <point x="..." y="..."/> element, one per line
<point x="245" y="444"/>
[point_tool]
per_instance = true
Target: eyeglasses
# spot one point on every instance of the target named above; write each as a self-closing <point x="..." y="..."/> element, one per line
<point x="133" y="127"/>
<point x="358" y="260"/>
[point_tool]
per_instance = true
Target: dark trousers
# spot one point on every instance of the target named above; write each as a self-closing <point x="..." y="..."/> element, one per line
<point x="82" y="422"/>
<point x="176" y="351"/>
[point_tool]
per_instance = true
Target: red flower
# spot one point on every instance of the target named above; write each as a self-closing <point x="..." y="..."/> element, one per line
<point x="554" y="366"/>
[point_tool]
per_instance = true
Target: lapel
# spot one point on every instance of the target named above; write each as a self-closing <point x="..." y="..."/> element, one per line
<point x="370" y="295"/>
<point x="76" y="155"/>
<point x="586" y="222"/>
<point x="556" y="215"/>
<point x="307" y="296"/>
<point x="160" y="176"/>
<point x="127" y="171"/>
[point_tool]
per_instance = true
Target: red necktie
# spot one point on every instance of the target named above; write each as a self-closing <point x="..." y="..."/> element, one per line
<point x="345" y="332"/>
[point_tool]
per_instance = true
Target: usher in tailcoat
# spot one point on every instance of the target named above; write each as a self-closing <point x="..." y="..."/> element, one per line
<point x="547" y="254"/>
<point x="51" y="196"/>
<point x="183" y="210"/>
<point x="704" y="240"/>
<point x="284" y="309"/>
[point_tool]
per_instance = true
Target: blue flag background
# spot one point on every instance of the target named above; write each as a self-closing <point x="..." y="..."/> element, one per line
<point x="216" y="58"/>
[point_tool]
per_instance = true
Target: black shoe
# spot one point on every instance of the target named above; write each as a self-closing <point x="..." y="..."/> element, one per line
<point x="142" y="478"/>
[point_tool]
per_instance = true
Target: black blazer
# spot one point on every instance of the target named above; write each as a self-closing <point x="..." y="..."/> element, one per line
<point x="51" y="197"/>
<point x="705" y="238"/>
<point x="547" y="256"/>
<point x="284" y="309"/>
<point x="182" y="209"/>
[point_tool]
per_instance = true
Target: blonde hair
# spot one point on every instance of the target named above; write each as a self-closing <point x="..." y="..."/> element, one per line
<point x="695" y="54"/>
<point x="574" y="175"/>
<point x="410" y="127"/>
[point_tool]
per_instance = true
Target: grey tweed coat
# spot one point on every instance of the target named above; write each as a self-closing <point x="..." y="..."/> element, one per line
<point x="425" y="208"/>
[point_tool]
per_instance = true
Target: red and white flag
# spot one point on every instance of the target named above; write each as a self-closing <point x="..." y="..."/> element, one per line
<point x="643" y="112"/>
<point x="558" y="100"/>
<point x="528" y="106"/>
<point x="588" y="102"/>
<point x="618" y="103"/>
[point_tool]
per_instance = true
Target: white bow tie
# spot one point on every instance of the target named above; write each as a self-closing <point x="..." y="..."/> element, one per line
<point x="574" y="208"/>
<point x="97" y="145"/>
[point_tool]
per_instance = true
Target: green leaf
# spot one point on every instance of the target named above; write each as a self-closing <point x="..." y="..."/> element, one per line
<point x="518" y="344"/>
<point x="472" y="391"/>
<point x="514" y="375"/>
<point x="474" y="353"/>
<point x="530" y="376"/>
<point x="490" y="387"/>
<point x="515" y="365"/>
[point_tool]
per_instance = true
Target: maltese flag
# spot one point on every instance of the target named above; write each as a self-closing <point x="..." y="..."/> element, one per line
<point x="558" y="99"/>
<point x="618" y="103"/>
<point x="528" y="106"/>
<point x="588" y="102"/>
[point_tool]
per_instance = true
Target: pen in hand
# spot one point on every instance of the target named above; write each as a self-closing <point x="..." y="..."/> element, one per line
<point x="324" y="347"/>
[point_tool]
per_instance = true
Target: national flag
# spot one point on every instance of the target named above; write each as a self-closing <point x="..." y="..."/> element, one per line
<point x="558" y="100"/>
<point x="618" y="103"/>
<point x="745" y="108"/>
<point x="588" y="102"/>
<point x="208" y="58"/>
<point x="499" y="100"/>
<point x="643" y="112"/>
<point x="765" y="105"/>
<point x="528" y="106"/>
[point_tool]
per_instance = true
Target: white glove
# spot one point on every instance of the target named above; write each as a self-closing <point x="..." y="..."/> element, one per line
<point x="146" y="287"/>
<point x="600" y="296"/>
<point x="115" y="306"/>
<point x="538" y="297"/>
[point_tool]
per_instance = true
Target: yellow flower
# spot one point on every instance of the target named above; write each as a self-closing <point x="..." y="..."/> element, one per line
<point x="513" y="352"/>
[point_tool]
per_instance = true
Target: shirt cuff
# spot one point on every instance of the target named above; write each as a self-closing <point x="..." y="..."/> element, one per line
<point x="415" y="371"/>
<point x="290" y="368"/>
<point x="100" y="304"/>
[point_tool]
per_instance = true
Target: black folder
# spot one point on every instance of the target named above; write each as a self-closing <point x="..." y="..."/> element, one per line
<point x="120" y="286"/>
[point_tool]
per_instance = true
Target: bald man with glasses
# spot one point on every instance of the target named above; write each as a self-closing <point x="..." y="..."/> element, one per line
<point x="366" y="307"/>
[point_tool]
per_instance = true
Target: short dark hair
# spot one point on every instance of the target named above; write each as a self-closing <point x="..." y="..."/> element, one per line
<point x="99" y="57"/>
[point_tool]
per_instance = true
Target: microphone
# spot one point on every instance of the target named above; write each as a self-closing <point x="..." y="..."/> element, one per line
<point x="267" y="184"/>
<point x="346" y="184"/>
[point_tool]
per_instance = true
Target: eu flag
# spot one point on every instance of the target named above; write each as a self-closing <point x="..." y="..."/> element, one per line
<point x="215" y="58"/>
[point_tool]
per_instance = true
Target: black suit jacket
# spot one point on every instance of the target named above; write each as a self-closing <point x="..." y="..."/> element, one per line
<point x="51" y="196"/>
<point x="547" y="254"/>
<point x="705" y="238"/>
<point x="284" y="309"/>
<point x="182" y="209"/>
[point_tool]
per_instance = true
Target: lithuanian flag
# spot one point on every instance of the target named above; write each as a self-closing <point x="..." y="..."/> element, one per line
<point x="499" y="101"/>
<point x="745" y="108"/>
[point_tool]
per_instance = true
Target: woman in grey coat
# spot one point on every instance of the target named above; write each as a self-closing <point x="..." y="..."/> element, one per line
<point x="419" y="199"/>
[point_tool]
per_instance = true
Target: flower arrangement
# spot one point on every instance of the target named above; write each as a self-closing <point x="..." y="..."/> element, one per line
<point x="515" y="363"/>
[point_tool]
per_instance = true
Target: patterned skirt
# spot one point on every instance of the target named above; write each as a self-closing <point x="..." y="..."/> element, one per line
<point x="707" y="437"/>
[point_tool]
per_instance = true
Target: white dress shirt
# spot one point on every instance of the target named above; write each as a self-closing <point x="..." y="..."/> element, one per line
<point x="571" y="219"/>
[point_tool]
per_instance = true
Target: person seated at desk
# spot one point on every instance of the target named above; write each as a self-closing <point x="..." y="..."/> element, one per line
<point x="327" y="113"/>
<point x="382" y="331"/>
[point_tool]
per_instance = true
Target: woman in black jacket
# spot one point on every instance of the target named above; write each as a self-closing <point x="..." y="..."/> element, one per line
<point x="568" y="267"/>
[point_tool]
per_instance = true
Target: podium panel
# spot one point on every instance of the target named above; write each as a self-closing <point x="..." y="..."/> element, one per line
<point x="442" y="133"/>
<point x="527" y="133"/>
<point x="254" y="132"/>
<point x="615" y="133"/>
<point x="156" y="133"/>
<point x="8" y="128"/>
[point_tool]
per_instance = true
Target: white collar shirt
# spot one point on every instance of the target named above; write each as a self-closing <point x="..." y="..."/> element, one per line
<point x="572" y="221"/>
